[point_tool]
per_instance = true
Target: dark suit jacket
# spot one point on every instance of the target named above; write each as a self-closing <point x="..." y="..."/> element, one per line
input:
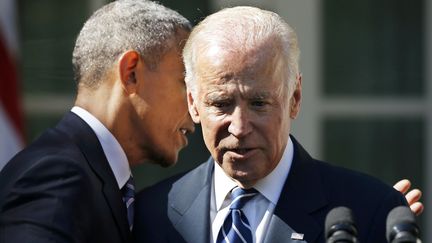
<point x="177" y="210"/>
<point x="62" y="189"/>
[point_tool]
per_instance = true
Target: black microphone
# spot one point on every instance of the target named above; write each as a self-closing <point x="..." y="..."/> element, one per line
<point x="340" y="226"/>
<point x="401" y="226"/>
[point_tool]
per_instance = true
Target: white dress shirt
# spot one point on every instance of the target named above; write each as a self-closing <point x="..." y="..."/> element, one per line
<point x="260" y="208"/>
<point x="113" y="151"/>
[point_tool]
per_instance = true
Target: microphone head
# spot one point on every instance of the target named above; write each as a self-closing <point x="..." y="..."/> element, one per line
<point x="340" y="219"/>
<point x="401" y="219"/>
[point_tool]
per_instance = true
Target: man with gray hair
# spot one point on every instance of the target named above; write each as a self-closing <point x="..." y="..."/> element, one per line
<point x="73" y="184"/>
<point x="259" y="185"/>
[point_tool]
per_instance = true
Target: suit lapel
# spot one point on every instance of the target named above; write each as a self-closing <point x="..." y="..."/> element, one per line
<point x="86" y="139"/>
<point x="301" y="196"/>
<point x="279" y="231"/>
<point x="189" y="204"/>
<point x="110" y="191"/>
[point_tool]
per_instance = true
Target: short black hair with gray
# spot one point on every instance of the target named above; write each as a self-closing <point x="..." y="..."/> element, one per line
<point x="141" y="25"/>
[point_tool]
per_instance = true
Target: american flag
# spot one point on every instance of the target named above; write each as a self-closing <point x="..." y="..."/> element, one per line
<point x="11" y="122"/>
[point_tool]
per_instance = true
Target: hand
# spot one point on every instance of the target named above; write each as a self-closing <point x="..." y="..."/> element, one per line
<point x="412" y="196"/>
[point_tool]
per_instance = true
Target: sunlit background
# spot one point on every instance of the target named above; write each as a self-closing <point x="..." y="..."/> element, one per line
<point x="367" y="88"/>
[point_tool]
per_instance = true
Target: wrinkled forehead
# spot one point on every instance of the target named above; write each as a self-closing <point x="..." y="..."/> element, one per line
<point x="251" y="73"/>
<point x="241" y="63"/>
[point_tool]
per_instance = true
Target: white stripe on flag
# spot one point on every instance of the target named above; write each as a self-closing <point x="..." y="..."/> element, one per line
<point x="8" y="26"/>
<point x="10" y="143"/>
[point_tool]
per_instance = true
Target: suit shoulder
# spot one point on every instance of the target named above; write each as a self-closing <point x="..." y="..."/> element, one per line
<point x="162" y="188"/>
<point x="150" y="199"/>
<point x="48" y="161"/>
<point x="34" y="171"/>
<point x="349" y="187"/>
<point x="47" y="150"/>
<point x="336" y="180"/>
<point x="54" y="183"/>
<point x="348" y="177"/>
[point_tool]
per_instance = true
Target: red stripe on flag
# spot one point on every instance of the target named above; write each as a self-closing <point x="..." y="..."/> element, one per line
<point x="9" y="92"/>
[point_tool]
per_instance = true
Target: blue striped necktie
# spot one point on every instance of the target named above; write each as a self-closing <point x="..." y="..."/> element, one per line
<point x="128" y="191"/>
<point x="236" y="227"/>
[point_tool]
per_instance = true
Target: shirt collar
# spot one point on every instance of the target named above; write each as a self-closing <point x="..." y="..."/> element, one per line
<point x="113" y="151"/>
<point x="270" y="186"/>
<point x="223" y="184"/>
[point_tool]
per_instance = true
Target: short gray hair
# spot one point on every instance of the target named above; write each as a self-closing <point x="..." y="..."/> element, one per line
<point x="244" y="27"/>
<point x="141" y="25"/>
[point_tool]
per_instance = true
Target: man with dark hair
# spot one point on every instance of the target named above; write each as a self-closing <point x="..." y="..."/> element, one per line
<point x="73" y="184"/>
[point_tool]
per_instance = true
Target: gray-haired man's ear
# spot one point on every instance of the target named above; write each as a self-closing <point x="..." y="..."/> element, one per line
<point x="192" y="107"/>
<point x="295" y="100"/>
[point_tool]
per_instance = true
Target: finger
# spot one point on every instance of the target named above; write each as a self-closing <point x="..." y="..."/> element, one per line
<point x="402" y="186"/>
<point x="417" y="208"/>
<point x="413" y="196"/>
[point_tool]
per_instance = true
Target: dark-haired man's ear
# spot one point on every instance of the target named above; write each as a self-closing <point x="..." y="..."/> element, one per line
<point x="128" y="64"/>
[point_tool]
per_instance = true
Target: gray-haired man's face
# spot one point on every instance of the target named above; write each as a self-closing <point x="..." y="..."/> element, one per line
<point x="244" y="115"/>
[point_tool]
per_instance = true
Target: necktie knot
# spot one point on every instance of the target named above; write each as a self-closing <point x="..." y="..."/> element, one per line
<point x="128" y="189"/>
<point x="236" y="227"/>
<point x="241" y="196"/>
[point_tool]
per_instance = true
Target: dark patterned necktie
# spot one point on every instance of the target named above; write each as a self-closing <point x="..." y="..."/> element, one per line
<point x="236" y="227"/>
<point x="128" y="191"/>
